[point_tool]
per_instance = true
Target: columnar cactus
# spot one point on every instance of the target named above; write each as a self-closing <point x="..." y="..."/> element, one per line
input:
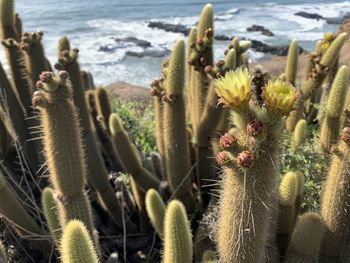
<point x="35" y="57"/>
<point x="306" y="240"/>
<point x="63" y="146"/>
<point x="299" y="135"/>
<point x="249" y="163"/>
<point x="320" y="68"/>
<point x="288" y="191"/>
<point x="77" y="245"/>
<point x="96" y="170"/>
<point x="12" y="209"/>
<point x="335" y="200"/>
<point x="103" y="105"/>
<point x="129" y="156"/>
<point x="177" y="235"/>
<point x="292" y="62"/>
<point x="51" y="211"/>
<point x="177" y="153"/>
<point x="155" y="208"/>
<point x="7" y="15"/>
<point x="335" y="105"/>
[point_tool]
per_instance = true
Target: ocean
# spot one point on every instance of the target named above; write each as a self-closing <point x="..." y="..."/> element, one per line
<point x="105" y="30"/>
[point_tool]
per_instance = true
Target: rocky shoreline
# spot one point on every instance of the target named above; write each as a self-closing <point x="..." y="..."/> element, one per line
<point x="272" y="63"/>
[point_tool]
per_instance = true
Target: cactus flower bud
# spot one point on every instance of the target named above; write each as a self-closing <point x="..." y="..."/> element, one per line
<point x="222" y="157"/>
<point x="255" y="128"/>
<point x="245" y="159"/>
<point x="227" y="141"/>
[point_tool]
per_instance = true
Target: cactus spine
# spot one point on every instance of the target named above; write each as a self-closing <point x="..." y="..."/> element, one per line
<point x="249" y="164"/>
<point x="155" y="208"/>
<point x="12" y="209"/>
<point x="320" y="70"/>
<point x="335" y="200"/>
<point x="306" y="240"/>
<point x="35" y="56"/>
<point x="299" y="134"/>
<point x="177" y="235"/>
<point x="288" y="192"/>
<point x="177" y="154"/>
<point x="63" y="146"/>
<point x="96" y="170"/>
<point x="292" y="62"/>
<point x="334" y="108"/>
<point x="51" y="212"/>
<point x="76" y="245"/>
<point x="129" y="156"/>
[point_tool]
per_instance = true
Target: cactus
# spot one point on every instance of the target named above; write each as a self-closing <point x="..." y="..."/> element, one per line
<point x="76" y="244"/>
<point x="208" y="257"/>
<point x="35" y="56"/>
<point x="96" y="170"/>
<point x="249" y="166"/>
<point x="335" y="104"/>
<point x="300" y="190"/>
<point x="306" y="240"/>
<point x="103" y="105"/>
<point x="12" y="209"/>
<point x="288" y="192"/>
<point x="129" y="157"/>
<point x="51" y="212"/>
<point x="3" y="257"/>
<point x="292" y="62"/>
<point x="336" y="199"/>
<point x="177" y="234"/>
<point x="7" y="15"/>
<point x="313" y="82"/>
<point x="63" y="146"/>
<point x="177" y="154"/>
<point x="155" y="208"/>
<point x="299" y="135"/>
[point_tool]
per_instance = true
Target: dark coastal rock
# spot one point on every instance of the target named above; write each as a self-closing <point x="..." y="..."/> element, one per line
<point x="309" y="15"/>
<point x="338" y="20"/>
<point x="263" y="30"/>
<point x="149" y="53"/>
<point x="274" y="50"/>
<point x="134" y="40"/>
<point x="222" y="38"/>
<point x="176" y="28"/>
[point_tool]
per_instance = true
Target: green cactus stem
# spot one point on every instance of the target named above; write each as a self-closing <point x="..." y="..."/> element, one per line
<point x="51" y="211"/>
<point x="335" y="200"/>
<point x="335" y="105"/>
<point x="177" y="235"/>
<point x="155" y="208"/>
<point x="129" y="156"/>
<point x="8" y="20"/>
<point x="77" y="245"/>
<point x="102" y="104"/>
<point x="12" y="209"/>
<point x="35" y="57"/>
<point x="299" y="135"/>
<point x="63" y="146"/>
<point x="96" y="169"/>
<point x="313" y="81"/>
<point x="249" y="160"/>
<point x="18" y="71"/>
<point x="292" y="62"/>
<point x="288" y="192"/>
<point x="306" y="240"/>
<point x="177" y="152"/>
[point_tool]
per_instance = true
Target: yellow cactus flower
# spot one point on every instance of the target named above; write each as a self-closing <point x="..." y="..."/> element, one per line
<point x="279" y="97"/>
<point x="234" y="89"/>
<point x="327" y="41"/>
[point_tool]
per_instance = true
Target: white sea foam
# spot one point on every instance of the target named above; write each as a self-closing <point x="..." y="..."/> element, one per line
<point x="109" y="61"/>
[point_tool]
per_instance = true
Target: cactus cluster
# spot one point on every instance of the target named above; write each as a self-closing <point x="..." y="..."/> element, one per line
<point x="212" y="192"/>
